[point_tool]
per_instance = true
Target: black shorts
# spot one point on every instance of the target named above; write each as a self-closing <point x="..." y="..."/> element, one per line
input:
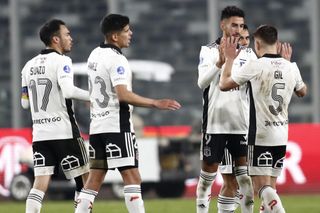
<point x="70" y="154"/>
<point x="213" y="145"/>
<point x="113" y="150"/>
<point x="266" y="160"/>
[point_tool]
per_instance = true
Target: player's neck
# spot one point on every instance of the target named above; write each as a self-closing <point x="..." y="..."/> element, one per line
<point x="269" y="50"/>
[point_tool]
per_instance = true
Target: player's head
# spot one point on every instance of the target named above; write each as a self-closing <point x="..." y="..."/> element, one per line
<point x="265" y="37"/>
<point x="232" y="21"/>
<point x="116" y="30"/>
<point x="244" y="39"/>
<point x="55" y="34"/>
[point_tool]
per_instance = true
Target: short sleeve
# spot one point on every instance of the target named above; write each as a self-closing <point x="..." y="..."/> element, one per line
<point x="298" y="79"/>
<point x="64" y="69"/>
<point x="119" y="71"/>
<point x="23" y="77"/>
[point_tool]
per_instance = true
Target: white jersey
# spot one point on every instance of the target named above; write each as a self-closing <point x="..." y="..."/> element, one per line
<point x="223" y="112"/>
<point x="107" y="68"/>
<point x="52" y="114"/>
<point x="273" y="80"/>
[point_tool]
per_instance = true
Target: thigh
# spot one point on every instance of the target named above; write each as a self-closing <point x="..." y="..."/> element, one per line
<point x="212" y="148"/>
<point x="266" y="160"/>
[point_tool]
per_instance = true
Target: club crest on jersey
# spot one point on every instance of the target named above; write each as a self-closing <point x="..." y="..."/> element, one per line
<point x="66" y="69"/>
<point x="120" y="70"/>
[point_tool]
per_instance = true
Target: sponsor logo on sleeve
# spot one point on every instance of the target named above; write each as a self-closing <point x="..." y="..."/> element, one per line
<point x="120" y="70"/>
<point x="66" y="69"/>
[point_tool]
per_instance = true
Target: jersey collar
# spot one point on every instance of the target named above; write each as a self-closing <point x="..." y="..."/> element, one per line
<point x="103" y="45"/>
<point x="47" y="51"/>
<point x="268" y="55"/>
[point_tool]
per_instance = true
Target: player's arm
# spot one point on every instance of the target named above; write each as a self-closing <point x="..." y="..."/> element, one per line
<point x="24" y="92"/>
<point x="124" y="95"/>
<point x="65" y="80"/>
<point x="69" y="91"/>
<point x="300" y="88"/>
<point x="25" y="98"/>
<point x="230" y="51"/>
<point x="301" y="92"/>
<point x="209" y="67"/>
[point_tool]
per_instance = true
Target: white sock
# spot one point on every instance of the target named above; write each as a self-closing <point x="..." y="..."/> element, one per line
<point x="271" y="200"/>
<point x="226" y="204"/>
<point x="85" y="201"/>
<point x="262" y="209"/>
<point x="238" y="199"/>
<point x="205" y="182"/>
<point x="245" y="185"/>
<point x="133" y="198"/>
<point x="34" y="201"/>
<point x="76" y="195"/>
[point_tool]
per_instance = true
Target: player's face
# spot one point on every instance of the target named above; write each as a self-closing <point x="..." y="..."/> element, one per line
<point x="244" y="39"/>
<point x="65" y="42"/>
<point x="124" y="37"/>
<point x="232" y="26"/>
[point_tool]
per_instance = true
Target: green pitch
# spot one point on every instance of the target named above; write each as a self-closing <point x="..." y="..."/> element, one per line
<point x="292" y="204"/>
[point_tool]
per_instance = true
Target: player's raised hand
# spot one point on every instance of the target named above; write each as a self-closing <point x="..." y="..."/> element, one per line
<point x="167" y="104"/>
<point x="222" y="59"/>
<point x="230" y="48"/>
<point x="285" y="50"/>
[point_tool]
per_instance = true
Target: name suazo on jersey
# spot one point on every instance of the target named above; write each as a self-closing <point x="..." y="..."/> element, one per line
<point x="223" y="112"/>
<point x="273" y="80"/>
<point x="107" y="67"/>
<point x="47" y="79"/>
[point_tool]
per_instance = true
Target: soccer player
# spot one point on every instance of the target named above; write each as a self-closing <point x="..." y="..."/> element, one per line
<point x="230" y="185"/>
<point x="244" y="39"/>
<point x="48" y="89"/>
<point x="272" y="81"/>
<point x="112" y="139"/>
<point x="225" y="119"/>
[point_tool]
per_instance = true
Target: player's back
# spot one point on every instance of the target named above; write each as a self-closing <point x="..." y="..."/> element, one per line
<point x="272" y="90"/>
<point x="107" y="67"/>
<point x="51" y="112"/>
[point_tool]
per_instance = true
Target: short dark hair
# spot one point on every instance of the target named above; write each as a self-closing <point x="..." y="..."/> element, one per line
<point x="230" y="11"/>
<point x="245" y="27"/>
<point x="267" y="34"/>
<point x="113" y="23"/>
<point x="50" y="29"/>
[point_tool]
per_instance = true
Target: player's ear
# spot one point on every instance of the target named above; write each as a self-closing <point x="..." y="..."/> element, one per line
<point x="114" y="36"/>
<point x="222" y="25"/>
<point x="55" y="39"/>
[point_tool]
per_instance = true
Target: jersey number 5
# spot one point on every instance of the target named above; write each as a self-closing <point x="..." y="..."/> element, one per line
<point x="276" y="97"/>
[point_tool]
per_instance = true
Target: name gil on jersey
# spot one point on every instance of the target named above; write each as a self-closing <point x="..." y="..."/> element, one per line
<point x="100" y="115"/>
<point x="39" y="70"/>
<point x="276" y="123"/>
<point x="46" y="120"/>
